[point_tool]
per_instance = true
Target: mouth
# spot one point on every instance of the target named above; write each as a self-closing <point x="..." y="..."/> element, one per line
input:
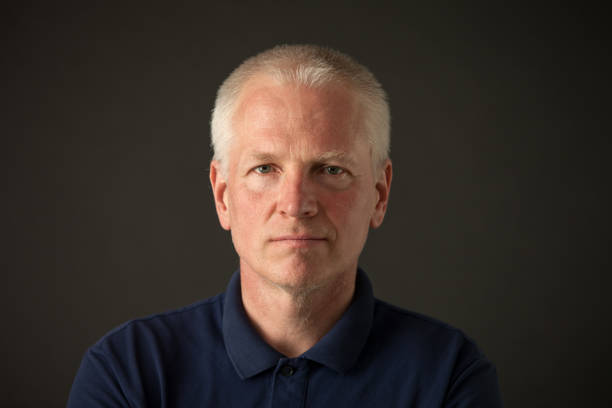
<point x="298" y="241"/>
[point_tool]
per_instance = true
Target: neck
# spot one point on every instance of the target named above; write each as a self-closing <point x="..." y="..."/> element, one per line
<point x="293" y="320"/>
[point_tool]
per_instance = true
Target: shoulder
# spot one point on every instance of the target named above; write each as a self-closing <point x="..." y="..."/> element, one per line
<point x="441" y="358"/>
<point x="143" y="354"/>
<point x="156" y="331"/>
<point x="412" y="323"/>
<point x="413" y="334"/>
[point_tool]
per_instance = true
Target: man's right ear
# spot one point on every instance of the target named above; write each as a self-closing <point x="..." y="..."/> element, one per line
<point x="219" y="188"/>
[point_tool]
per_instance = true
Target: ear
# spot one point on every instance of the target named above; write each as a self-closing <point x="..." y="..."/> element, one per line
<point x="219" y="188"/>
<point x="383" y="188"/>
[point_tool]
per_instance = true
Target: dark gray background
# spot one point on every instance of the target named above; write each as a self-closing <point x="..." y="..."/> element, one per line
<point x="499" y="216"/>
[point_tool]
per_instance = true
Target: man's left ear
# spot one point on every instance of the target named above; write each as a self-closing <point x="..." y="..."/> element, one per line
<point x="383" y="188"/>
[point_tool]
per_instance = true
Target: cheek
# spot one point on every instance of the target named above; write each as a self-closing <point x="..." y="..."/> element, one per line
<point x="349" y="210"/>
<point x="255" y="185"/>
<point x="246" y="209"/>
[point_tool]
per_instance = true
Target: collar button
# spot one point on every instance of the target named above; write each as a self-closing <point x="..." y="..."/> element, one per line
<point x="287" y="370"/>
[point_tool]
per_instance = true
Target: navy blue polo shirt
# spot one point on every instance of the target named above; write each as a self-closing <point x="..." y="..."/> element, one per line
<point x="209" y="355"/>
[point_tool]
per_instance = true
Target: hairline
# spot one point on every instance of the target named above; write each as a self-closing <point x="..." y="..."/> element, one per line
<point x="263" y="76"/>
<point x="309" y="66"/>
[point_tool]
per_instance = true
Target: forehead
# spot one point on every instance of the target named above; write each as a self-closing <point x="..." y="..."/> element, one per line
<point x="264" y="91"/>
<point x="324" y="115"/>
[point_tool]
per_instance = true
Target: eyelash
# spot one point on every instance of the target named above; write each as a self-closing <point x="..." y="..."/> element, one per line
<point x="257" y="169"/>
<point x="341" y="171"/>
<point x="326" y="170"/>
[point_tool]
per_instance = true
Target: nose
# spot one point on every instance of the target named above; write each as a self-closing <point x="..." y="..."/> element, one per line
<point x="296" y="197"/>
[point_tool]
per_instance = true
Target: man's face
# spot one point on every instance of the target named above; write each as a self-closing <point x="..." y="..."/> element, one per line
<point x="299" y="193"/>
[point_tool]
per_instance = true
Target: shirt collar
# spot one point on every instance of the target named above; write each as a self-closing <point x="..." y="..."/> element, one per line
<point x="338" y="349"/>
<point x="341" y="346"/>
<point x="247" y="351"/>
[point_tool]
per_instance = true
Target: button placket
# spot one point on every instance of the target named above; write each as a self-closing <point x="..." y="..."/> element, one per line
<point x="290" y="383"/>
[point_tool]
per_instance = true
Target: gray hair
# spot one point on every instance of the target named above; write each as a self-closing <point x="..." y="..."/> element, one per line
<point x="312" y="66"/>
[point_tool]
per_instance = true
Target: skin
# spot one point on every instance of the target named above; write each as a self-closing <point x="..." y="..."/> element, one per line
<point x="299" y="196"/>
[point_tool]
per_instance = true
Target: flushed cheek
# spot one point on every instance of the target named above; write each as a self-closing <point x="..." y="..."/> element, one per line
<point x="348" y="211"/>
<point x="247" y="212"/>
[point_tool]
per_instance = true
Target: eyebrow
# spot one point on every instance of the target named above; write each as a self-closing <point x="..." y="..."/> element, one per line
<point x="262" y="156"/>
<point x="339" y="156"/>
<point x="324" y="157"/>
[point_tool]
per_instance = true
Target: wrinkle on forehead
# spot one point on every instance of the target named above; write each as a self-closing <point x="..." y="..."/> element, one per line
<point x="272" y="115"/>
<point x="263" y="101"/>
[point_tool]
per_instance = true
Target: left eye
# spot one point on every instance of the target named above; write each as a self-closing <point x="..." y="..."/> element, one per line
<point x="333" y="170"/>
<point x="263" y="169"/>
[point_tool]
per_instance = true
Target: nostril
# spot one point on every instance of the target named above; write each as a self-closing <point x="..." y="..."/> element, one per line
<point x="298" y="205"/>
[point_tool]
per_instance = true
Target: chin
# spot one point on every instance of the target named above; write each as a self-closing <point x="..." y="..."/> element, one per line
<point x="302" y="276"/>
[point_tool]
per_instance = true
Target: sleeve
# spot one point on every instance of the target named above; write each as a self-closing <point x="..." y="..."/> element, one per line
<point x="96" y="384"/>
<point x="476" y="385"/>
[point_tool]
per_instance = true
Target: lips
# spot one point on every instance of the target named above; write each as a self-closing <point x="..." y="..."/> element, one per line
<point x="298" y="238"/>
<point x="298" y="241"/>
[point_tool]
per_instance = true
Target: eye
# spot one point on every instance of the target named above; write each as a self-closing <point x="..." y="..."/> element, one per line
<point x="333" y="170"/>
<point x="263" y="169"/>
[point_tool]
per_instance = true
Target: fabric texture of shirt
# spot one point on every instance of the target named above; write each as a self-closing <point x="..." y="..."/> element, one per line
<point x="209" y="355"/>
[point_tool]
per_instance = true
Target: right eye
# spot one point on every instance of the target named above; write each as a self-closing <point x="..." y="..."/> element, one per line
<point x="263" y="169"/>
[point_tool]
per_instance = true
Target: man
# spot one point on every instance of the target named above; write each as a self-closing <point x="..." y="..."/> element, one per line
<point x="300" y="173"/>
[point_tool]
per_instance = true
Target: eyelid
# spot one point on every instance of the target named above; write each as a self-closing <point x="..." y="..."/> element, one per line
<point x="342" y="169"/>
<point x="254" y="169"/>
<point x="323" y="167"/>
